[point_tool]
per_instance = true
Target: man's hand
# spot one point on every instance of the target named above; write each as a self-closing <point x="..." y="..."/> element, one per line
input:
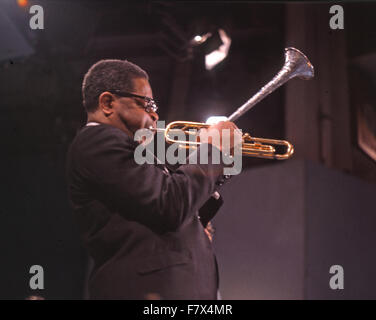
<point x="209" y="230"/>
<point x="215" y="135"/>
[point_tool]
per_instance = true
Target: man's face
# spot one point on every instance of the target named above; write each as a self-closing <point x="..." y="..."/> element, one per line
<point x="131" y="111"/>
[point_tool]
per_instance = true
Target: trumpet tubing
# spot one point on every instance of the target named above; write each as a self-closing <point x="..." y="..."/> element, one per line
<point x="251" y="146"/>
<point x="255" y="147"/>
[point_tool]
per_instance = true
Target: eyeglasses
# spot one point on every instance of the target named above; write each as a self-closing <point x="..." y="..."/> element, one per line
<point x="150" y="103"/>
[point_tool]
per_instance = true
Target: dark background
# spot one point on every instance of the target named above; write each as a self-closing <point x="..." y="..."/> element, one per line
<point x="40" y="81"/>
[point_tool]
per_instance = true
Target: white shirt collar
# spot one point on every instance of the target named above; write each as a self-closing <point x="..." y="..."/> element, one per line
<point x="92" y="123"/>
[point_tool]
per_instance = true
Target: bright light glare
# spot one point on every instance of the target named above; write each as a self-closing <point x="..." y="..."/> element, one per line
<point x="215" y="119"/>
<point x="197" y="38"/>
<point x="215" y="57"/>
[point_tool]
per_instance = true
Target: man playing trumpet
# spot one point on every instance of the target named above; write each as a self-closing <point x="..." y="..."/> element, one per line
<point x="143" y="225"/>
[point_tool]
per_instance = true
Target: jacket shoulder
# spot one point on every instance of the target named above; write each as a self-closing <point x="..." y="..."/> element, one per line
<point x="91" y="140"/>
<point x="98" y="133"/>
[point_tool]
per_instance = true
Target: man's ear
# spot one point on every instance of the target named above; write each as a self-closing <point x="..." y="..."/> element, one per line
<point x="106" y="100"/>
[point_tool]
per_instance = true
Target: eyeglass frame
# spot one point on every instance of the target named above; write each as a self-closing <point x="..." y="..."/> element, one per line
<point x="150" y="102"/>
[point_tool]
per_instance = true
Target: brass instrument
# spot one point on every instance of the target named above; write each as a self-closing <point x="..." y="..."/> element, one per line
<point x="251" y="146"/>
<point x="296" y="65"/>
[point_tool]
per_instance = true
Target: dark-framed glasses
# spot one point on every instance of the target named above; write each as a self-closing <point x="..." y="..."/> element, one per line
<point x="150" y="103"/>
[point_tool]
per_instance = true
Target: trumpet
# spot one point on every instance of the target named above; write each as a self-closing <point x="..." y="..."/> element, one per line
<point x="296" y="65"/>
<point x="251" y="146"/>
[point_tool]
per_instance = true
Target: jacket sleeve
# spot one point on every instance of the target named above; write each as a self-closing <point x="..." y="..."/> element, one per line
<point x="144" y="192"/>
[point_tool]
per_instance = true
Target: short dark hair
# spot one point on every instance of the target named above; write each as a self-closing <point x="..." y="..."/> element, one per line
<point x="108" y="74"/>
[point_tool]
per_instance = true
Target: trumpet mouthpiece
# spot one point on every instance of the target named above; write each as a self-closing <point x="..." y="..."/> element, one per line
<point x="156" y="129"/>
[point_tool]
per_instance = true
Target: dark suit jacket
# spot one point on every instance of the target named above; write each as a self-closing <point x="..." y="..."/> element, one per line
<point x="140" y="223"/>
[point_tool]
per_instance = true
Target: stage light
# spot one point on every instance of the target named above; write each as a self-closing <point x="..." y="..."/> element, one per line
<point x="22" y="3"/>
<point x="199" y="39"/>
<point x="215" y="119"/>
<point x="218" y="55"/>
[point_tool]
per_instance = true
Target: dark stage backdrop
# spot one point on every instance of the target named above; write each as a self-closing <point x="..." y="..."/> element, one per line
<point x="282" y="227"/>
